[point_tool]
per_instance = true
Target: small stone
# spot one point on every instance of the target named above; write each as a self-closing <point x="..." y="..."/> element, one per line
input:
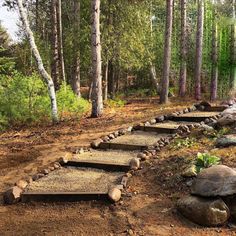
<point x="207" y="127"/>
<point x="134" y="164"/>
<point x="142" y="156"/>
<point x="105" y="139"/>
<point x="122" y="131"/>
<point x="63" y="160"/>
<point x="114" y="194"/>
<point x="51" y="168"/>
<point x="130" y="129"/>
<point x="56" y="165"/>
<point x="160" y="118"/>
<point x="153" y="121"/>
<point x="37" y="176"/>
<point x="147" y="123"/>
<point x="45" y="171"/>
<point x="111" y="136"/>
<point x="116" y="134"/>
<point x="186" y="110"/>
<point x="12" y="195"/>
<point x="21" y="184"/>
<point x="190" y="171"/>
<point x="96" y="143"/>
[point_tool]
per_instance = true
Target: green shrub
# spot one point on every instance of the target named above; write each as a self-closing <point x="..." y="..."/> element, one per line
<point x="116" y="102"/>
<point x="25" y="100"/>
<point x="205" y="160"/>
<point x="69" y="105"/>
<point x="181" y="143"/>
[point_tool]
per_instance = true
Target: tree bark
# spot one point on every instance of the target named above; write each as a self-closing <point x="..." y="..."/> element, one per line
<point x="97" y="100"/>
<point x="167" y="53"/>
<point x="106" y="81"/>
<point x="46" y="77"/>
<point x="183" y="50"/>
<point x="152" y="66"/>
<point x="233" y="50"/>
<point x="214" y="73"/>
<point x="60" y="41"/>
<point x="55" y="45"/>
<point x="76" y="60"/>
<point x="199" y="45"/>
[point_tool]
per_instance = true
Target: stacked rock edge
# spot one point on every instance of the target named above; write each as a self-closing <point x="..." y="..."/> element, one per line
<point x="212" y="187"/>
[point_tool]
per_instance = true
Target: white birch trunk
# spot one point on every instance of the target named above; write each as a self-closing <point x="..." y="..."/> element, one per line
<point x="46" y="77"/>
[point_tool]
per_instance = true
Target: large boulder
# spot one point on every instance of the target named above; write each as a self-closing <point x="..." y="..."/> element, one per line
<point x="228" y="117"/>
<point x="218" y="180"/>
<point x="226" y="141"/>
<point x="204" y="211"/>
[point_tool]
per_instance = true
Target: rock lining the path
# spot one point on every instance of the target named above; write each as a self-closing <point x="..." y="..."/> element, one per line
<point x="218" y="180"/>
<point x="204" y="211"/>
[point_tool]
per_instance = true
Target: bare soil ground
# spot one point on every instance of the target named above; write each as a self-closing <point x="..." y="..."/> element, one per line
<point x="147" y="208"/>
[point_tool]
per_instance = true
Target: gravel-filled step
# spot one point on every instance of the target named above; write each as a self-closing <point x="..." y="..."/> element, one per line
<point x="136" y="140"/>
<point x="72" y="183"/>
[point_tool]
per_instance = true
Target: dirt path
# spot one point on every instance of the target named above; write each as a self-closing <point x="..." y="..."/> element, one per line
<point x="148" y="209"/>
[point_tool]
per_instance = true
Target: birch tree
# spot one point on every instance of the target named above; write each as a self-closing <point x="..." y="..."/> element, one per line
<point x="167" y="53"/>
<point x="199" y="45"/>
<point x="97" y="100"/>
<point x="55" y="45"/>
<point x="46" y="77"/>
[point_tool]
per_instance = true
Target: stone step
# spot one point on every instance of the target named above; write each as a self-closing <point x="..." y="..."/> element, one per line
<point x="73" y="184"/>
<point x="108" y="160"/>
<point x="216" y="108"/>
<point x="196" y="116"/>
<point x="136" y="140"/>
<point x="165" y="127"/>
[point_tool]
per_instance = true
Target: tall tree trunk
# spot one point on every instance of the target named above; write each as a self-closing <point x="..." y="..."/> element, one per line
<point x="152" y="66"/>
<point x="183" y="50"/>
<point x="199" y="44"/>
<point x="76" y="60"/>
<point x="214" y="73"/>
<point x="233" y="50"/>
<point x="46" y="77"/>
<point x="106" y="81"/>
<point x="97" y="100"/>
<point x="60" y="41"/>
<point x="167" y="53"/>
<point x="55" y="45"/>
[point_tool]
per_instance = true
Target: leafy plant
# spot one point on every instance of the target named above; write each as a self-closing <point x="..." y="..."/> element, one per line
<point x="205" y="160"/>
<point x="180" y="143"/>
<point x="113" y="103"/>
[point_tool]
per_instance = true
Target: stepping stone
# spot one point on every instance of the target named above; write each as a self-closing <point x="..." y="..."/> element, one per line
<point x="72" y="184"/>
<point x="196" y="116"/>
<point x="109" y="160"/>
<point x="216" y="108"/>
<point x="165" y="127"/>
<point x="137" y="140"/>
